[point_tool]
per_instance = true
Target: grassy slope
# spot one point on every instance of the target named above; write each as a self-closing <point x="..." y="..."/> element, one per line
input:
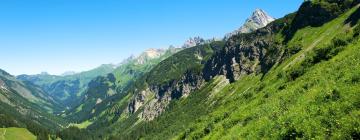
<point x="13" y="133"/>
<point x="125" y="75"/>
<point x="321" y="103"/>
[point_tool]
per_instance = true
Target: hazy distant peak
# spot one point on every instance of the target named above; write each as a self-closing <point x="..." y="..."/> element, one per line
<point x="153" y="53"/>
<point x="148" y="54"/>
<point x="67" y="73"/>
<point x="44" y="73"/>
<point x="191" y="42"/>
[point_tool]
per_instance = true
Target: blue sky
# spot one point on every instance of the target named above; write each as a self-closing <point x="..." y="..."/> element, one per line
<point x="77" y="35"/>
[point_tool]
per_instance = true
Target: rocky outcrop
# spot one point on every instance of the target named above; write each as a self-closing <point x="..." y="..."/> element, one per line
<point x="2" y="85"/>
<point x="245" y="54"/>
<point x="140" y="99"/>
<point x="155" y="99"/>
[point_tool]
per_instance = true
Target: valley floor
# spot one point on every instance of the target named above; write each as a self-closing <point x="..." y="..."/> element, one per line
<point x="14" y="133"/>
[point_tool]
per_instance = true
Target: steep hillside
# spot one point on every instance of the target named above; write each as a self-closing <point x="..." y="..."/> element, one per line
<point x="17" y="89"/>
<point x="68" y="89"/>
<point x="264" y="85"/>
<point x="24" y="105"/>
<point x="297" y="77"/>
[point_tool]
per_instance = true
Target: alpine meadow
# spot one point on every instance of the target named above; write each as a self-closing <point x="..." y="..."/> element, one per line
<point x="290" y="77"/>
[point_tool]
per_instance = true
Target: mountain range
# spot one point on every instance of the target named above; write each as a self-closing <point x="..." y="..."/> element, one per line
<point x="296" y="77"/>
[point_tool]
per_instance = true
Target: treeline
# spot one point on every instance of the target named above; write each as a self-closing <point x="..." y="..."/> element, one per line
<point x="74" y="133"/>
<point x="36" y="129"/>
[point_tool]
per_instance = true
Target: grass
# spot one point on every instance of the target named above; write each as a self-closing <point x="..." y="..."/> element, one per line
<point x="82" y="125"/>
<point x="13" y="133"/>
<point x="320" y="103"/>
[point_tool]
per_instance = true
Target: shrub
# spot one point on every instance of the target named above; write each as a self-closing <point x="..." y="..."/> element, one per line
<point x="355" y="79"/>
<point x="292" y="134"/>
<point x="333" y="96"/>
<point x="294" y="74"/>
<point x="356" y="31"/>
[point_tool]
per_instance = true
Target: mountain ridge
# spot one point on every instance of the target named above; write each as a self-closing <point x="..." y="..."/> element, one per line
<point x="294" y="78"/>
<point x="258" y="19"/>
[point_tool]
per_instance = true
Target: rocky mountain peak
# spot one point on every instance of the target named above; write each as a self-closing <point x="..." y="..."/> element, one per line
<point x="191" y="42"/>
<point x="153" y="53"/>
<point x="68" y="73"/>
<point x="149" y="54"/>
<point x="258" y="19"/>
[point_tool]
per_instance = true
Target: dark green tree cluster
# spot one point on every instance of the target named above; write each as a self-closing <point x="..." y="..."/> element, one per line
<point x="74" y="133"/>
<point x="7" y="121"/>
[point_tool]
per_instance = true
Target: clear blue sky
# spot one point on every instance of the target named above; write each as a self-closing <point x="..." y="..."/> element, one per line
<point x="62" y="35"/>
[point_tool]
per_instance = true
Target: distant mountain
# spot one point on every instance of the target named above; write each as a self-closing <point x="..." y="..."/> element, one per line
<point x="103" y="90"/>
<point x="193" y="41"/>
<point x="26" y="90"/>
<point x="67" y="73"/>
<point x="66" y="89"/>
<point x="26" y="105"/>
<point x="258" y="19"/>
<point x="148" y="55"/>
<point x="296" y="78"/>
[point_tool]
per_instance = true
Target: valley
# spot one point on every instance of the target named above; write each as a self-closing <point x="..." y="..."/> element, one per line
<point x="295" y="77"/>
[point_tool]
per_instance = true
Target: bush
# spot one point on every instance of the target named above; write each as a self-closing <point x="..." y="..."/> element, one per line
<point x="326" y="53"/>
<point x="356" y="31"/>
<point x="355" y="79"/>
<point x="292" y="134"/>
<point x="74" y="133"/>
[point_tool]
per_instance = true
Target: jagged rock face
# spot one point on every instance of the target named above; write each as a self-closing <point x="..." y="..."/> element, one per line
<point x="245" y="54"/>
<point x="140" y="99"/>
<point x="193" y="42"/>
<point x="242" y="55"/>
<point x="154" y="106"/>
<point x="2" y="85"/>
<point x="258" y="19"/>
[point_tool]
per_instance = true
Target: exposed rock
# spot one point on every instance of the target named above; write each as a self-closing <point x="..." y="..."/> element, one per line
<point x="98" y="101"/>
<point x="139" y="100"/>
<point x="154" y="106"/>
<point x="258" y="19"/>
<point x="193" y="42"/>
<point x="2" y="85"/>
<point x="245" y="54"/>
<point x="242" y="54"/>
<point x="149" y="54"/>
